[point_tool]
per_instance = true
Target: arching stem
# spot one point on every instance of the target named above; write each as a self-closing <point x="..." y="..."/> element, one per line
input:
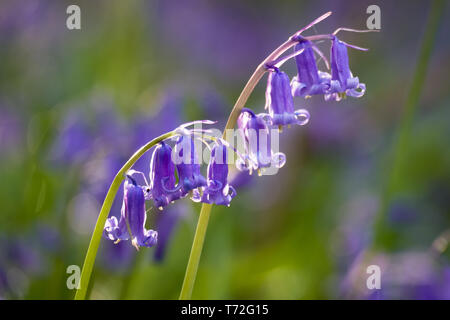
<point x="89" y="260"/>
<point x="199" y="237"/>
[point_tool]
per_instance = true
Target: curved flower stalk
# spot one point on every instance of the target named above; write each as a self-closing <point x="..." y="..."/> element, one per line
<point x="164" y="186"/>
<point x="89" y="260"/>
<point x="166" y="224"/>
<point x="281" y="114"/>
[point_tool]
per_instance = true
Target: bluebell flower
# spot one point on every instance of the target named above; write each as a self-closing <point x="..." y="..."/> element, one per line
<point x="132" y="219"/>
<point x="213" y="103"/>
<point x="257" y="141"/>
<point x="342" y="80"/>
<point x="218" y="191"/>
<point x="309" y="80"/>
<point x="4" y="282"/>
<point x="241" y="180"/>
<point x="189" y="173"/>
<point x="23" y="254"/>
<point x="402" y="212"/>
<point x="279" y="101"/>
<point x="74" y="143"/>
<point x="162" y="176"/>
<point x="11" y="131"/>
<point x="48" y="238"/>
<point x="117" y="257"/>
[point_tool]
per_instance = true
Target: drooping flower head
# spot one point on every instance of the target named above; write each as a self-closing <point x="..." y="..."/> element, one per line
<point x="162" y="177"/>
<point x="342" y="80"/>
<point x="218" y="191"/>
<point x="257" y="141"/>
<point x="132" y="219"/>
<point x="309" y="80"/>
<point x="279" y="100"/>
<point x="189" y="173"/>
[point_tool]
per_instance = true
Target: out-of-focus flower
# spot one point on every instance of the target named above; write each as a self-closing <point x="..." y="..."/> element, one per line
<point x="354" y="233"/>
<point x="333" y="129"/>
<point x="4" y="283"/>
<point x="309" y="80"/>
<point x="218" y="189"/>
<point x="48" y="238"/>
<point x="245" y="33"/>
<point x="117" y="256"/>
<point x="279" y="101"/>
<point x="18" y="19"/>
<point x="240" y="179"/>
<point x="10" y="131"/>
<point x="145" y="128"/>
<point x="342" y="80"/>
<point x="445" y="281"/>
<point x="166" y="223"/>
<point x="111" y="134"/>
<point x="74" y="144"/>
<point x="162" y="177"/>
<point x="132" y="220"/>
<point x="401" y="212"/>
<point x="404" y="275"/>
<point x="213" y="104"/>
<point x="25" y="256"/>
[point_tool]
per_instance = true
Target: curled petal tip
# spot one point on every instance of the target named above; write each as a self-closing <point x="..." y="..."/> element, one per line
<point x="302" y="116"/>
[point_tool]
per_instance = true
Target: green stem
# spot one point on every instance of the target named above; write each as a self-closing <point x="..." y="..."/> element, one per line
<point x="199" y="237"/>
<point x="194" y="258"/>
<point x="129" y="277"/>
<point x="383" y="235"/>
<point x="104" y="211"/>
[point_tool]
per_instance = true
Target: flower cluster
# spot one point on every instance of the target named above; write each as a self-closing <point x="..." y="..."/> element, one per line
<point x="175" y="171"/>
<point x="310" y="81"/>
<point x="280" y="93"/>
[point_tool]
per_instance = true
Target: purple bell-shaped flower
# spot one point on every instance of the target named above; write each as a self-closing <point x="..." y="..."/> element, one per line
<point x="189" y="173"/>
<point x="132" y="219"/>
<point x="257" y="141"/>
<point x="218" y="191"/>
<point x="309" y="80"/>
<point x="162" y="177"/>
<point x="279" y="101"/>
<point x="342" y="80"/>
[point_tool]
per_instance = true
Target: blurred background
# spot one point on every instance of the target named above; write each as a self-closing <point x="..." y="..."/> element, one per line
<point x="75" y="105"/>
